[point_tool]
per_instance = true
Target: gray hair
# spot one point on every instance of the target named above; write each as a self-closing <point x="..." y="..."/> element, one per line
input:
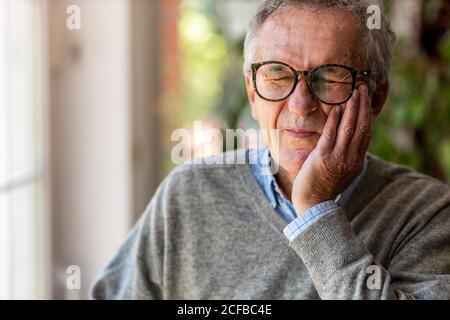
<point x="377" y="43"/>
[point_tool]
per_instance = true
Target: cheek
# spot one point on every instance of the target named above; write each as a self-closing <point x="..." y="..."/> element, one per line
<point x="267" y="113"/>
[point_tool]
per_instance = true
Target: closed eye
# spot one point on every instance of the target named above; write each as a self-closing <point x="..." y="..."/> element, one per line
<point x="279" y="79"/>
<point x="333" y="82"/>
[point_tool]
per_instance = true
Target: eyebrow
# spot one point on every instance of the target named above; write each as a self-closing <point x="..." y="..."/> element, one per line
<point x="275" y="67"/>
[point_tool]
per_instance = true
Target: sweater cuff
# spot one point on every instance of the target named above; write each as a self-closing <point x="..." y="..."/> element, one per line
<point x="328" y="246"/>
<point x="308" y="218"/>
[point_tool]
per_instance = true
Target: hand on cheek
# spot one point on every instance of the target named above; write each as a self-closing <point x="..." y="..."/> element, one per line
<point x="339" y="155"/>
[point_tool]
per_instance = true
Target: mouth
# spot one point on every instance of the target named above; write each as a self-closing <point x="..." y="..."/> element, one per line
<point x="300" y="133"/>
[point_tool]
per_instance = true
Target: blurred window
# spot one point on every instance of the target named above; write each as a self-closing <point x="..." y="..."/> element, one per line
<point x="21" y="174"/>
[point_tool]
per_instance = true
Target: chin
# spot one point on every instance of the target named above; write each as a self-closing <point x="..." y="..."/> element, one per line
<point x="292" y="160"/>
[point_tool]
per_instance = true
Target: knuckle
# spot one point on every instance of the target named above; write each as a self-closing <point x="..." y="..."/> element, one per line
<point x="349" y="131"/>
<point x="329" y="135"/>
<point x="364" y="129"/>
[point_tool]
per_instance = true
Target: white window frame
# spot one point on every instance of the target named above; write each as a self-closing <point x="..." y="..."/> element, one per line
<point x="25" y="270"/>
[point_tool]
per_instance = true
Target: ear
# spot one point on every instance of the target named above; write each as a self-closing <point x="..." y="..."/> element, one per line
<point x="251" y="95"/>
<point x="379" y="96"/>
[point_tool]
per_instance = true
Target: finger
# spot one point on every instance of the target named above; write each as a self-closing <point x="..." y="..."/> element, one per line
<point x="364" y="146"/>
<point x="327" y="140"/>
<point x="346" y="129"/>
<point x="361" y="138"/>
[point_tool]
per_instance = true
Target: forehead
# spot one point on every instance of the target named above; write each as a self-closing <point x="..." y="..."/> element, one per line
<point x="306" y="39"/>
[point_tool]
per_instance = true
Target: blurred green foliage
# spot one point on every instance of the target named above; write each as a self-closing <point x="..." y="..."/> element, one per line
<point x="203" y="62"/>
<point x="413" y="128"/>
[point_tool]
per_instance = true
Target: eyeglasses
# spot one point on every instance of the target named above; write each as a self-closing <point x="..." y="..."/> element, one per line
<point x="331" y="84"/>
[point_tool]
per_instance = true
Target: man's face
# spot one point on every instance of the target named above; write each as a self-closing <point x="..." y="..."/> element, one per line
<point x="303" y="39"/>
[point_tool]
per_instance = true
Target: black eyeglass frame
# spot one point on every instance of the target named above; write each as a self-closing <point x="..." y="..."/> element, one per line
<point x="354" y="72"/>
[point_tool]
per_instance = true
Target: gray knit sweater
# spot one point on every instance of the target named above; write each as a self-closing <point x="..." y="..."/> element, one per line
<point x="210" y="233"/>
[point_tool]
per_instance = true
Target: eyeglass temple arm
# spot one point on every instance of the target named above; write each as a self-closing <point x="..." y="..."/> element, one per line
<point x="366" y="73"/>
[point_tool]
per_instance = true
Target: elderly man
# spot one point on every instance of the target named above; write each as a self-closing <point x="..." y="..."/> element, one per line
<point x="334" y="222"/>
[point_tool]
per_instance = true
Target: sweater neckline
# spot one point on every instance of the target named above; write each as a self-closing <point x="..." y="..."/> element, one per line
<point x="365" y="190"/>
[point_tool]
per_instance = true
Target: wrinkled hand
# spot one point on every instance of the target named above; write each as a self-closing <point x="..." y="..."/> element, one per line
<point x="339" y="155"/>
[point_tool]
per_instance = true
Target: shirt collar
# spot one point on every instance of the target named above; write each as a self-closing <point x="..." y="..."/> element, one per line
<point x="260" y="159"/>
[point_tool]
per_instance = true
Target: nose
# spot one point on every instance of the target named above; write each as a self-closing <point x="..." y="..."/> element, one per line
<point x="302" y="102"/>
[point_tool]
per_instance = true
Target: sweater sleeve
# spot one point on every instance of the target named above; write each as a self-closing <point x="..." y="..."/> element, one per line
<point x="135" y="272"/>
<point x="342" y="267"/>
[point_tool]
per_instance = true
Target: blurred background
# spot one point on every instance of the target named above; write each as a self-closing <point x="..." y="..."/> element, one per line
<point x="88" y="106"/>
